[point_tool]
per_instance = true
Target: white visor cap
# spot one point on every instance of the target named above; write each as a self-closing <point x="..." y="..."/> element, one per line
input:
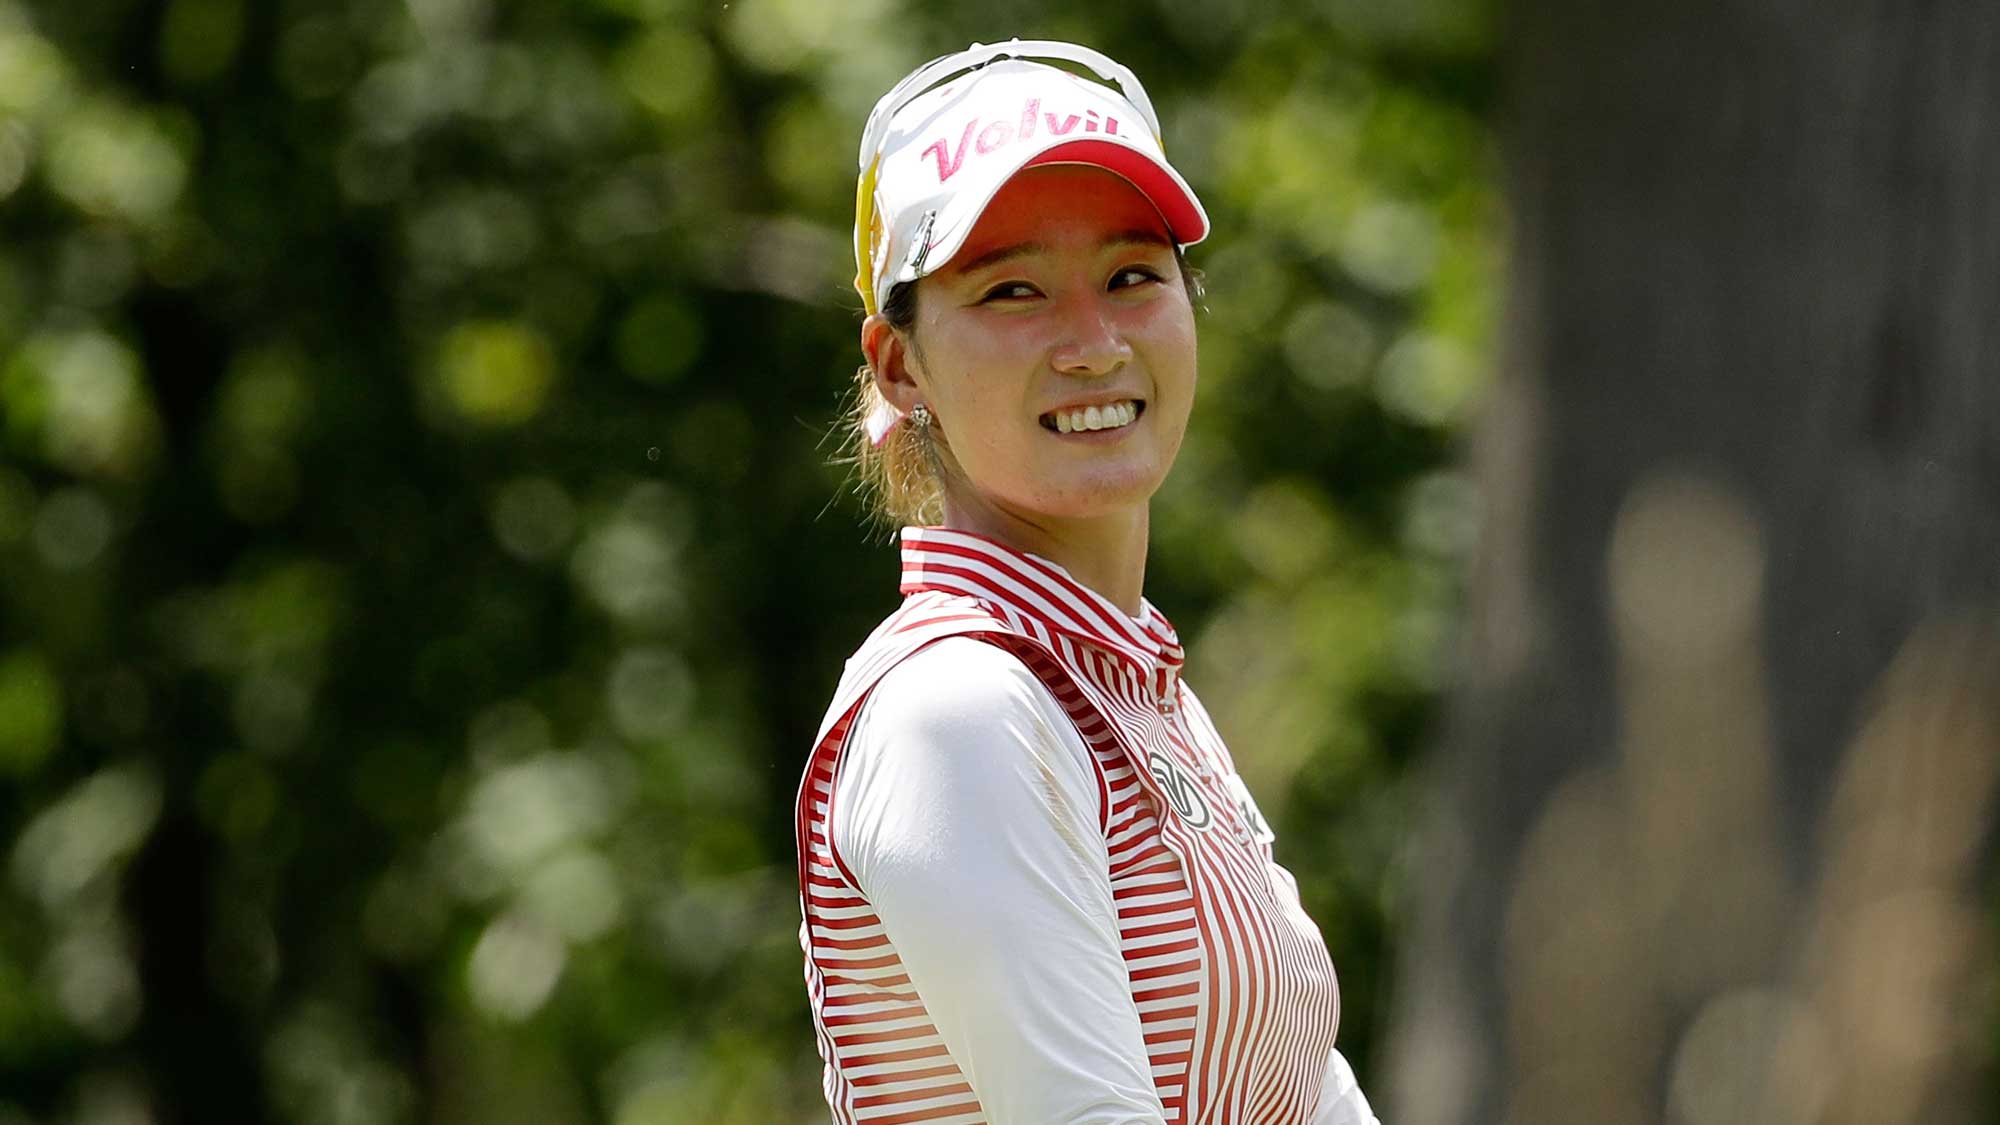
<point x="950" y="150"/>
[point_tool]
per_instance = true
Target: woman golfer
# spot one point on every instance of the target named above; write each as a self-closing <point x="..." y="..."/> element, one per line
<point x="1035" y="890"/>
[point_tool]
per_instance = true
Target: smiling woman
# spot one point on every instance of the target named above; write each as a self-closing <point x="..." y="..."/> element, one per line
<point x="1034" y="888"/>
<point x="1062" y="311"/>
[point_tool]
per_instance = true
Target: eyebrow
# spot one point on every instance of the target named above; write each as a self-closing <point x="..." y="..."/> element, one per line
<point x="1136" y="236"/>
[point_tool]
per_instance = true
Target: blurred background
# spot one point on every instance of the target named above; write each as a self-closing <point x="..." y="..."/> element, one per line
<point x="422" y="565"/>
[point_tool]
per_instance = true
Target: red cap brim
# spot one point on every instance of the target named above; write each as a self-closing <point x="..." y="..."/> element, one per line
<point x="1172" y="198"/>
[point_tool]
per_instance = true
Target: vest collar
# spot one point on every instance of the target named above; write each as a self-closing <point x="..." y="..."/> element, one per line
<point x="962" y="562"/>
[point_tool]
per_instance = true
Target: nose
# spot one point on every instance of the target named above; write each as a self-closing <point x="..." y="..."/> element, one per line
<point x="1090" y="341"/>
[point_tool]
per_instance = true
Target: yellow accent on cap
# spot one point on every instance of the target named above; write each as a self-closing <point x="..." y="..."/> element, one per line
<point x="864" y="237"/>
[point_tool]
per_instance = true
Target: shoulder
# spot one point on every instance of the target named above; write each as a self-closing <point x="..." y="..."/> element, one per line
<point x="954" y="686"/>
<point x="959" y="746"/>
<point x="920" y="622"/>
<point x="924" y="617"/>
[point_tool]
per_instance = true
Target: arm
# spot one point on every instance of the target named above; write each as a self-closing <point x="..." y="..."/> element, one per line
<point x="967" y="809"/>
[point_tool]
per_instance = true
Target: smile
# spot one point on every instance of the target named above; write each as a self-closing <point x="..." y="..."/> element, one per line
<point x="1109" y="416"/>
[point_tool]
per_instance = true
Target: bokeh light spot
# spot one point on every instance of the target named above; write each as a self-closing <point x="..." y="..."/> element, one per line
<point x="495" y="372"/>
<point x="514" y="967"/>
<point x="1686" y="569"/>
<point x="480" y="230"/>
<point x="80" y="397"/>
<point x="533" y="518"/>
<point x="575" y="894"/>
<point x="32" y="71"/>
<point x="658" y="339"/>
<point x="268" y="396"/>
<point x="325" y="1072"/>
<point x="86" y="832"/>
<point x="519" y="814"/>
<point x="272" y="710"/>
<point x="1329" y="345"/>
<point x="31" y="711"/>
<point x="630" y="564"/>
<point x="16" y="153"/>
<point x="94" y="267"/>
<point x="1427" y="379"/>
<point x="95" y="982"/>
<point x="115" y="162"/>
<point x="650" y="691"/>
<point x="1441" y="515"/>
<point x="780" y="36"/>
<point x="667" y="70"/>
<point x="1286" y="532"/>
<point x="72" y="529"/>
<point x="795" y="150"/>
<point x="1390" y="246"/>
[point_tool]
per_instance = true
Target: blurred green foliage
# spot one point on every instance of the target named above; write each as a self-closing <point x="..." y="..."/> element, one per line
<point x="421" y="571"/>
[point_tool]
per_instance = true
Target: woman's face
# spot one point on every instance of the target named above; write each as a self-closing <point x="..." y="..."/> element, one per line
<point x="1065" y="296"/>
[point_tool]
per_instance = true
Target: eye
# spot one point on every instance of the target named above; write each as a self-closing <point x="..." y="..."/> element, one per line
<point x="1010" y="290"/>
<point x="1134" y="275"/>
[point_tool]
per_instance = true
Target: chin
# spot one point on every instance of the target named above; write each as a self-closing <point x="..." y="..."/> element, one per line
<point x="1105" y="495"/>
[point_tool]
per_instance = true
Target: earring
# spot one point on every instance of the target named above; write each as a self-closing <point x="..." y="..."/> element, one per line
<point x="920" y="416"/>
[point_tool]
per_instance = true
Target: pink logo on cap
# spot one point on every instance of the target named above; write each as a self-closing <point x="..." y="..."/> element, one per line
<point x="999" y="134"/>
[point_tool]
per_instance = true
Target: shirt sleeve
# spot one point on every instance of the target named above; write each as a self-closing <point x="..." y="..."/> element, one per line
<point x="967" y="809"/>
<point x="1341" y="1101"/>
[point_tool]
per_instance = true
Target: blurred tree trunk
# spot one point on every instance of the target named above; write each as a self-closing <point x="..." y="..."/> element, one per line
<point x="1717" y="788"/>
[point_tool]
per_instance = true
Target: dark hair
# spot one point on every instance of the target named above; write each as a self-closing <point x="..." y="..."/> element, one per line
<point x="902" y="480"/>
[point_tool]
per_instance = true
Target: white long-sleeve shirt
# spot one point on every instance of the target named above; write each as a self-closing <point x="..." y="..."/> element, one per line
<point x="1017" y="894"/>
<point x="962" y="771"/>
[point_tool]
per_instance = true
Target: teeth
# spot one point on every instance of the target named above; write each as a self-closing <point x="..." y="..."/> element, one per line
<point x="1097" y="417"/>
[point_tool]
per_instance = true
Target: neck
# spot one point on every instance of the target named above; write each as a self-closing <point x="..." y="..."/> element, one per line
<point x="1105" y="553"/>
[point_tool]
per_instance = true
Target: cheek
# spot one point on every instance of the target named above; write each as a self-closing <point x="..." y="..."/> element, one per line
<point x="1170" y="350"/>
<point x="979" y="406"/>
<point x="974" y="372"/>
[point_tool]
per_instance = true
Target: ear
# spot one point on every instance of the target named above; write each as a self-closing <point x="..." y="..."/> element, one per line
<point x="892" y="358"/>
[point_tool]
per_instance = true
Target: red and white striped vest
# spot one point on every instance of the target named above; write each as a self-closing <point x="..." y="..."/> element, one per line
<point x="1234" y="988"/>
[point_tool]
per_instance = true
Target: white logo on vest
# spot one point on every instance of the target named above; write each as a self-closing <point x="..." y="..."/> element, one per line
<point x="1180" y="789"/>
